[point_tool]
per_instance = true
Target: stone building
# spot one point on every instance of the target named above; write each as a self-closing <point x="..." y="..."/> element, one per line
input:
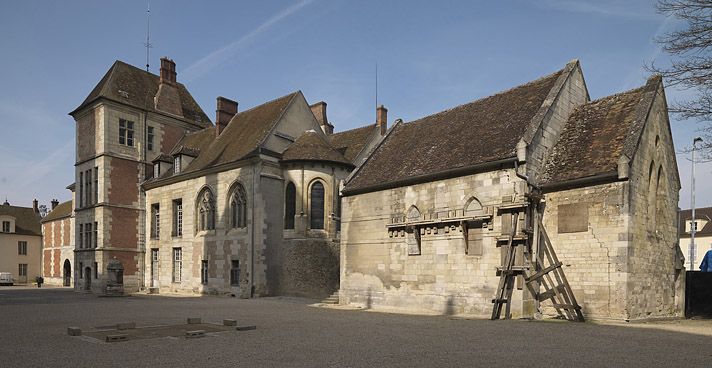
<point x="58" y="244"/>
<point x="20" y="242"/>
<point x="424" y="215"/>
<point x="703" y="236"/>
<point x="128" y="119"/>
<point x="170" y="202"/>
<point x="251" y="206"/>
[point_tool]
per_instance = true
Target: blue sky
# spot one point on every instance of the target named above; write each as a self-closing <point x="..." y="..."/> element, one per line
<point x="431" y="55"/>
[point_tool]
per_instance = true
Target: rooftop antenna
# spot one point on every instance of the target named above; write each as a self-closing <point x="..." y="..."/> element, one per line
<point x="148" y="44"/>
<point x="376" y="90"/>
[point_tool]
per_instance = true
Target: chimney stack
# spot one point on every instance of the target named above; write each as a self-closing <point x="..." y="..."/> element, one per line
<point x="168" y="71"/>
<point x="382" y="118"/>
<point x="55" y="203"/>
<point x="319" y="111"/>
<point x="226" y="109"/>
<point x="35" y="206"/>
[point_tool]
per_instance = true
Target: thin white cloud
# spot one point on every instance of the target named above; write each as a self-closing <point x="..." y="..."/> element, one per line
<point x="616" y="9"/>
<point x="219" y="56"/>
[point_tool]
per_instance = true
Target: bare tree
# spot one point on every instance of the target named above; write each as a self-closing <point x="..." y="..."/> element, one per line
<point x="690" y="48"/>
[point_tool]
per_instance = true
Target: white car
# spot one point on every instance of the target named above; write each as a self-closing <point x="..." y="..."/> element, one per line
<point x="6" y="278"/>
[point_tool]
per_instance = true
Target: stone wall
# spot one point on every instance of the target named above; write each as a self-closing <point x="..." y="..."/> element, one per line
<point x="594" y="255"/>
<point x="58" y="247"/>
<point x="656" y="288"/>
<point x="378" y="271"/>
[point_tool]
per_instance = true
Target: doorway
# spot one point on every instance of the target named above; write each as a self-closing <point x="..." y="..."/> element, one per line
<point x="67" y="281"/>
<point x="154" y="268"/>
<point x="87" y="278"/>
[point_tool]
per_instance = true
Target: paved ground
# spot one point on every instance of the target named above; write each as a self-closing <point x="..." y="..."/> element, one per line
<point x="33" y="324"/>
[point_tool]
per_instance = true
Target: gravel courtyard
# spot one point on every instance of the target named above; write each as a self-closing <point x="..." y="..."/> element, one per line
<point x="292" y="333"/>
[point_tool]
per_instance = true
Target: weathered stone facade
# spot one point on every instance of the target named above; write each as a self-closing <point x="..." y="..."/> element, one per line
<point x="416" y="244"/>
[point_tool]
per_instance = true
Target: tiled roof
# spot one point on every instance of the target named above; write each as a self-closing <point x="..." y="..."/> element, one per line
<point x="27" y="221"/>
<point x="244" y="134"/>
<point x="127" y="84"/>
<point x="312" y="146"/>
<point x="704" y="213"/>
<point x="596" y="135"/>
<point x="62" y="210"/>
<point x="351" y="142"/>
<point x="478" y="132"/>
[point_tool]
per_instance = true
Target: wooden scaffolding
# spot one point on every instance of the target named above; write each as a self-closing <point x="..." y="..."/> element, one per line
<point x="529" y="257"/>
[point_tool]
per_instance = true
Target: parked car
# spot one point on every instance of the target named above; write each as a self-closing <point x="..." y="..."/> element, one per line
<point x="6" y="278"/>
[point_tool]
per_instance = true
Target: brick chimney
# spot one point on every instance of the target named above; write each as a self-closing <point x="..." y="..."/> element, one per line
<point x="382" y="118"/>
<point x="55" y="203"/>
<point x="226" y="109"/>
<point x="168" y="71"/>
<point x="319" y="111"/>
<point x="167" y="98"/>
<point x="35" y="206"/>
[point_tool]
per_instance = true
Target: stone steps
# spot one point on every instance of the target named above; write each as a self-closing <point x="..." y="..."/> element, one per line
<point x="332" y="299"/>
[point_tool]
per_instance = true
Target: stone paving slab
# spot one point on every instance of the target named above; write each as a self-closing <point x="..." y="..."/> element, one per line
<point x="157" y="332"/>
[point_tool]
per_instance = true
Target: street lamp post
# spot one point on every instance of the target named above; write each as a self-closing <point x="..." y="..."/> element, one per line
<point x="693" y="224"/>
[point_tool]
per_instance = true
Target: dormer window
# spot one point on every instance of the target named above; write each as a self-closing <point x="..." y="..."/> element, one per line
<point x="176" y="164"/>
<point x="156" y="169"/>
<point x="6" y="226"/>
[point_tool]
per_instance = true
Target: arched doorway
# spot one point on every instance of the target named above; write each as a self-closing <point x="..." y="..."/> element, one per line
<point x="67" y="273"/>
<point x="87" y="278"/>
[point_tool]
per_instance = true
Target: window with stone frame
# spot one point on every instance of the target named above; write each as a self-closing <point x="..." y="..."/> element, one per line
<point x="22" y="248"/>
<point x="6" y="226"/>
<point x="177" y="265"/>
<point x="290" y="205"/>
<point x="126" y="132"/>
<point x="204" y="272"/>
<point x="81" y="189"/>
<point x="235" y="273"/>
<point x="413" y="232"/>
<point x="149" y="138"/>
<point x="155" y="221"/>
<point x="206" y="210"/>
<point x="88" y="235"/>
<point x="96" y="184"/>
<point x="316" y="200"/>
<point x="238" y="207"/>
<point x="177" y="217"/>
<point x="22" y="269"/>
<point x="81" y="236"/>
<point x="96" y="235"/>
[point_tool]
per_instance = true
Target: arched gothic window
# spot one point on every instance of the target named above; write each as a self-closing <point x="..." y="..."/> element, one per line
<point x="652" y="190"/>
<point x="238" y="207"/>
<point x="290" y="205"/>
<point x="316" y="196"/>
<point x="206" y="210"/>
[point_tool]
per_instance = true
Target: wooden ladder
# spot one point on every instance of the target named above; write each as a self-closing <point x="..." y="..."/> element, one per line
<point x="546" y="272"/>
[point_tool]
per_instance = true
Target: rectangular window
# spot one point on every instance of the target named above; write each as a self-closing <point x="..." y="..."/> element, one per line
<point x="204" y="272"/>
<point x="126" y="132"/>
<point x="176" y="164"/>
<point x="177" y="217"/>
<point x="177" y="264"/>
<point x="149" y="139"/>
<point x="81" y="189"/>
<point x="22" y="248"/>
<point x="87" y="235"/>
<point x="22" y="269"/>
<point x="81" y="270"/>
<point x="156" y="170"/>
<point x="81" y="236"/>
<point x="87" y="192"/>
<point x="235" y="273"/>
<point x="6" y="226"/>
<point x="473" y="238"/>
<point x="96" y="270"/>
<point x="96" y="234"/>
<point x="155" y="221"/>
<point x="96" y="185"/>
